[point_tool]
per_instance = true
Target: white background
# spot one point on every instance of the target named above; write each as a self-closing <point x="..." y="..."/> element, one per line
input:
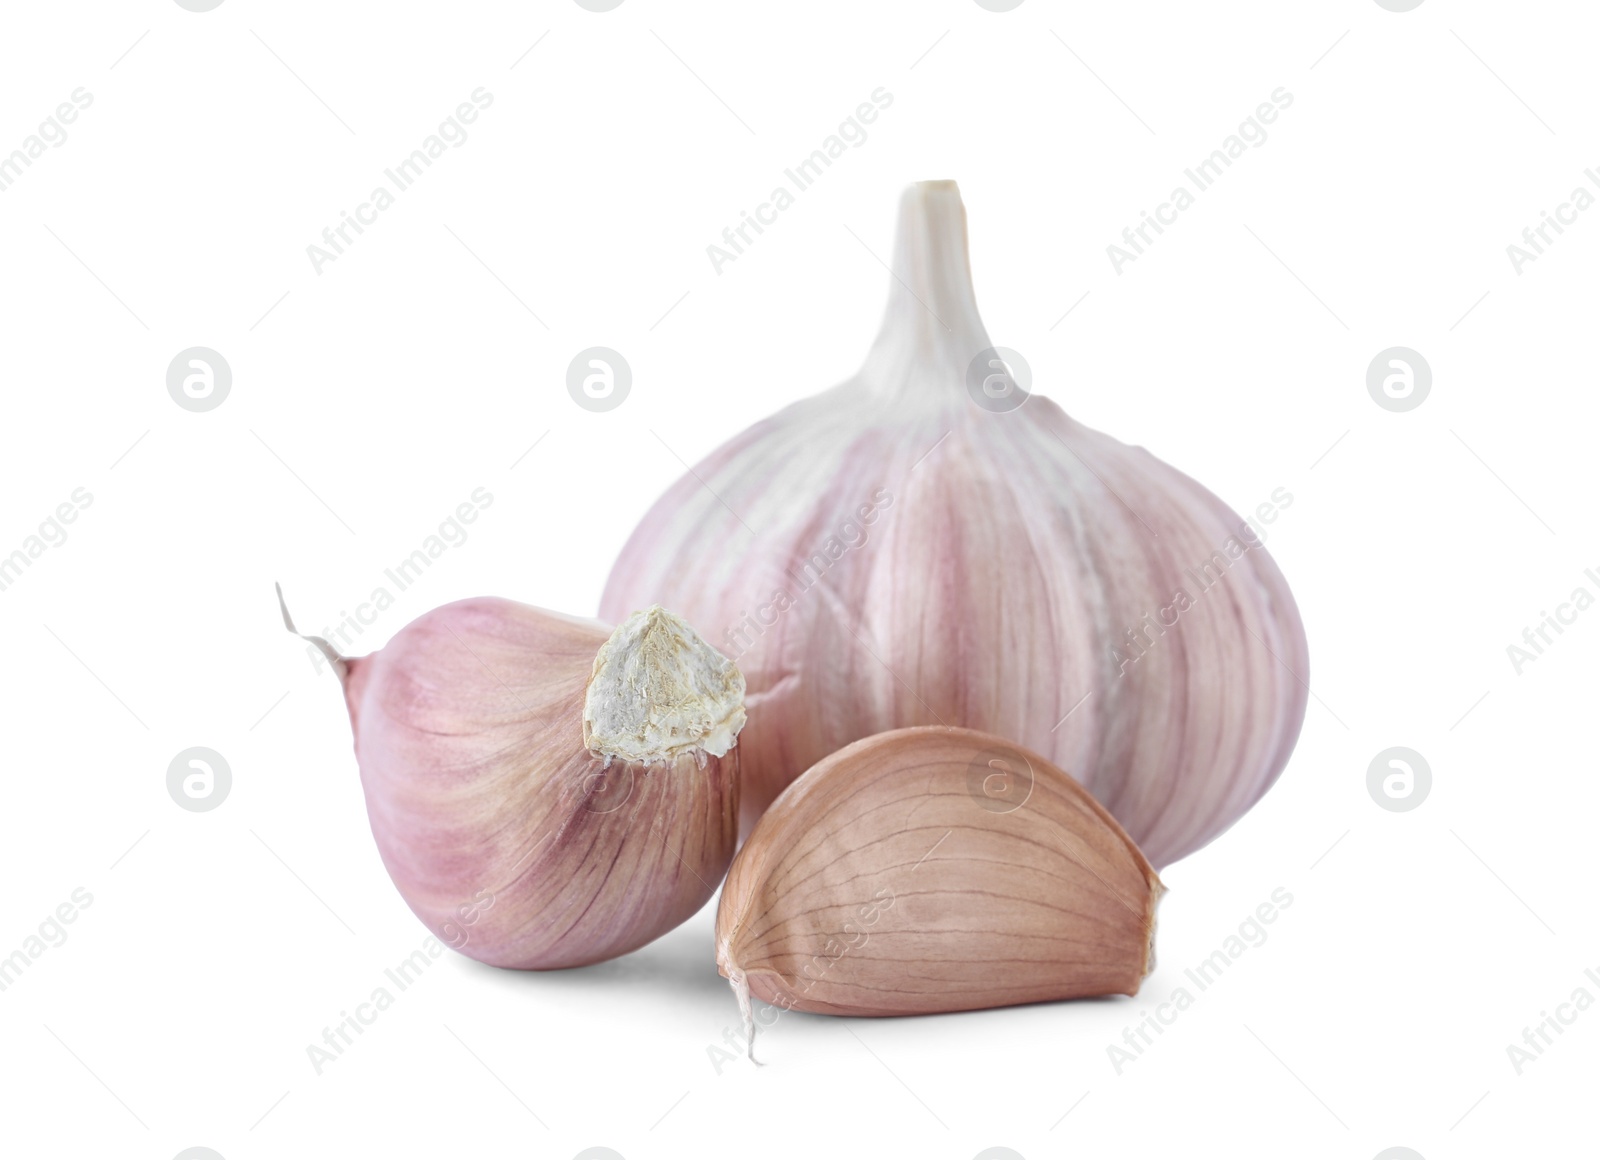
<point x="422" y="364"/>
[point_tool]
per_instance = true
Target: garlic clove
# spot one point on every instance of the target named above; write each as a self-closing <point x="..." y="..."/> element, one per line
<point x="544" y="791"/>
<point x="924" y="561"/>
<point x="931" y="869"/>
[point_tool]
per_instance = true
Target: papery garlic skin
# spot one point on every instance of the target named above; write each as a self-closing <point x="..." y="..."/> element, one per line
<point x="506" y="834"/>
<point x="902" y="556"/>
<point x="930" y="869"/>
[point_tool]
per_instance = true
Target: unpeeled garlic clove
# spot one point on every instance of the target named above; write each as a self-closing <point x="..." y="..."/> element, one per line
<point x="931" y="869"/>
<point x="919" y="559"/>
<point x="546" y="792"/>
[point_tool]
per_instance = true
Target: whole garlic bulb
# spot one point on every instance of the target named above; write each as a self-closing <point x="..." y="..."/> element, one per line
<point x="905" y="550"/>
<point x="546" y="792"/>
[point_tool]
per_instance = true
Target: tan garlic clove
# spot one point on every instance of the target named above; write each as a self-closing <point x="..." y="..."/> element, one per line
<point x="544" y="791"/>
<point x="931" y="869"/>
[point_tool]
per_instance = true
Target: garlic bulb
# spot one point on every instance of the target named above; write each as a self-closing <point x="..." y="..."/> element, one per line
<point x="545" y="792"/>
<point x="932" y="869"/>
<point x="904" y="550"/>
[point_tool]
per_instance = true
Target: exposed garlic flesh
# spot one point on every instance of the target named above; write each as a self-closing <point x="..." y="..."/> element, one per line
<point x="658" y="690"/>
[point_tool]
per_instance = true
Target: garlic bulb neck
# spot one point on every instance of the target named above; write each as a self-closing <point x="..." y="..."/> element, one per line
<point x="659" y="691"/>
<point x="931" y="329"/>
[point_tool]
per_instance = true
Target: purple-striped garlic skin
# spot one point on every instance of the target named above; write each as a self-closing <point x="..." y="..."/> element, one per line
<point x="891" y="553"/>
<point x="490" y="735"/>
